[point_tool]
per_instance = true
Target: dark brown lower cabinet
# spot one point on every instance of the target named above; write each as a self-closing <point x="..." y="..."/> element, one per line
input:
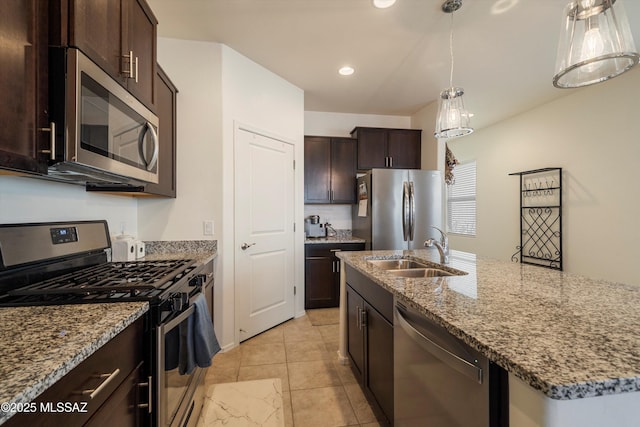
<point x="322" y="273"/>
<point x="370" y="339"/>
<point x="109" y="388"/>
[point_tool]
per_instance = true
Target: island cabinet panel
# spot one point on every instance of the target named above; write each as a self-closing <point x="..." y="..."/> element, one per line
<point x="370" y="338"/>
<point x="329" y="170"/>
<point x="322" y="273"/>
<point x="24" y="121"/>
<point x="388" y="148"/>
<point x="355" y="336"/>
<point x="112" y="382"/>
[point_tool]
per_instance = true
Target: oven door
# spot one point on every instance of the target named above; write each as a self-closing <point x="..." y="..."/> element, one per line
<point x="180" y="394"/>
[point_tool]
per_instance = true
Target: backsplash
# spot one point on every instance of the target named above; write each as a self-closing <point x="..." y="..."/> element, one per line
<point x="339" y="216"/>
<point x="177" y="246"/>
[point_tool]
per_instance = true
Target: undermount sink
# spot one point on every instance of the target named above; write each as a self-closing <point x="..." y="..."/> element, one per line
<point x="404" y="267"/>
<point x="396" y="264"/>
<point x="422" y="272"/>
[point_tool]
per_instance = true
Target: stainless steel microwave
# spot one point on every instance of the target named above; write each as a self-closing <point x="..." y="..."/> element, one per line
<point x="100" y="133"/>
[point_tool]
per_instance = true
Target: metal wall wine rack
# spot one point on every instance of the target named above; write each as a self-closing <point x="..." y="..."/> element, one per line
<point x="540" y="218"/>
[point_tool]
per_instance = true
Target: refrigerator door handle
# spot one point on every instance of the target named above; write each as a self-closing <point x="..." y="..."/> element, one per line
<point x="412" y="210"/>
<point x="405" y="211"/>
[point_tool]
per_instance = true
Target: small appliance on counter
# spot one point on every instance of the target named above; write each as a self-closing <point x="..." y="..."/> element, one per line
<point x="313" y="227"/>
<point x="123" y="248"/>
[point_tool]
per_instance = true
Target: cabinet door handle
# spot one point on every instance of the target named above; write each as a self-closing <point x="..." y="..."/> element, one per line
<point x="386" y="162"/>
<point x="390" y="158"/>
<point x="52" y="140"/>
<point x="130" y="71"/>
<point x="358" y="317"/>
<point x="333" y="266"/>
<point x="363" y="318"/>
<point x="95" y="391"/>
<point x="332" y="195"/>
<point x="337" y="266"/>
<point x="148" y="384"/>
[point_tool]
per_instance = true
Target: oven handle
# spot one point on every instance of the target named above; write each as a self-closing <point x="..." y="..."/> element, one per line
<point x="174" y="322"/>
<point x="154" y="137"/>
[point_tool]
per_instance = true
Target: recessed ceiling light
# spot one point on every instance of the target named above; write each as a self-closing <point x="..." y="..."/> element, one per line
<point x="346" y="71"/>
<point x="383" y="4"/>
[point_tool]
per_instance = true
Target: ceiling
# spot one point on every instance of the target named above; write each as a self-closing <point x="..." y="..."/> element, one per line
<point x="504" y="50"/>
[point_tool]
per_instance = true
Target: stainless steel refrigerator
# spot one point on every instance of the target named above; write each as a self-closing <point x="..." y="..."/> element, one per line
<point x="397" y="207"/>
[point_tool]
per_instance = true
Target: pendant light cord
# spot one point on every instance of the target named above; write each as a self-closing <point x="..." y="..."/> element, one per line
<point x="451" y="51"/>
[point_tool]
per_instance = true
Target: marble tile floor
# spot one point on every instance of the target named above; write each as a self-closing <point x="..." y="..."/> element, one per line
<point x="317" y="391"/>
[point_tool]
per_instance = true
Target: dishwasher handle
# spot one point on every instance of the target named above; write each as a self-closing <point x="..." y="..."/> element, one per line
<point x="463" y="366"/>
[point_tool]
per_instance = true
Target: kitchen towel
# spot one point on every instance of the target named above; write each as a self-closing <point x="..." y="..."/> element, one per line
<point x="198" y="342"/>
<point x="205" y="343"/>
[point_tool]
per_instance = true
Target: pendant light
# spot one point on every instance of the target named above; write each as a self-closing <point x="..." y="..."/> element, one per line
<point x="453" y="119"/>
<point x="595" y="43"/>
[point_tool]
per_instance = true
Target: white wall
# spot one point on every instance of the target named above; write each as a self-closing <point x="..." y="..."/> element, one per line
<point x="34" y="200"/>
<point x="592" y="134"/>
<point x="199" y="140"/>
<point x="255" y="97"/>
<point x="433" y="150"/>
<point x="219" y="88"/>
<point x="340" y="125"/>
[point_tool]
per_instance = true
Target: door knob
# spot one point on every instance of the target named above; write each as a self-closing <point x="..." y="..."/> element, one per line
<point x="246" y="246"/>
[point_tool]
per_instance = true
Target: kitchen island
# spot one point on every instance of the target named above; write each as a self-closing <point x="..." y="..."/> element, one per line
<point x="570" y="344"/>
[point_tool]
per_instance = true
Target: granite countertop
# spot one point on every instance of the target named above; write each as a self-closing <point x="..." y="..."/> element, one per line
<point x="563" y="334"/>
<point x="202" y="251"/>
<point x="39" y="345"/>
<point x="341" y="236"/>
<point x="337" y="239"/>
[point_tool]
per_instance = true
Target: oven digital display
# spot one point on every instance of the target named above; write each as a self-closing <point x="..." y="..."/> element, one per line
<point x="64" y="235"/>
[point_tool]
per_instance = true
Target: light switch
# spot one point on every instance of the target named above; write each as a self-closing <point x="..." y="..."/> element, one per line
<point x="208" y="228"/>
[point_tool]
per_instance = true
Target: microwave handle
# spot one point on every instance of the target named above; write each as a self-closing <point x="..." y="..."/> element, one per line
<point x="154" y="136"/>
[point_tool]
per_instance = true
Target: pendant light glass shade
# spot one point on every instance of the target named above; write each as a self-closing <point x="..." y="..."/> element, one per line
<point x="595" y="43"/>
<point x="453" y="119"/>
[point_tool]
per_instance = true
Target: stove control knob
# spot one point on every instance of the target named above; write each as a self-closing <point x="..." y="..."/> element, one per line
<point x="177" y="302"/>
<point x="198" y="280"/>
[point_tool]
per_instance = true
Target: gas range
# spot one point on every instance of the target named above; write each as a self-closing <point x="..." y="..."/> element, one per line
<point x="67" y="263"/>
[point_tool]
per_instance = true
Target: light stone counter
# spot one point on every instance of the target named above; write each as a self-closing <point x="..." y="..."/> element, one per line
<point x="341" y="236"/>
<point x="39" y="345"/>
<point x="565" y="335"/>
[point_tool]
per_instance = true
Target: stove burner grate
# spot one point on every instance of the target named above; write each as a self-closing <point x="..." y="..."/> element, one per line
<point x="116" y="279"/>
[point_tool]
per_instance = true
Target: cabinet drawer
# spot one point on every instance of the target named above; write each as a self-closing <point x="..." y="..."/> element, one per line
<point x="378" y="297"/>
<point x="98" y="376"/>
<point x="329" y="249"/>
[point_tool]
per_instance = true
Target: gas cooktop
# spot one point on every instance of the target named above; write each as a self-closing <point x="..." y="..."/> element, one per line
<point x="66" y="263"/>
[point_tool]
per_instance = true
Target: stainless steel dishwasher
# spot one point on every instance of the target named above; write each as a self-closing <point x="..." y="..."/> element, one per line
<point x="441" y="381"/>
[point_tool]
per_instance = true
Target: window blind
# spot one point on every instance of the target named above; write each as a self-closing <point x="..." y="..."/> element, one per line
<point x="461" y="200"/>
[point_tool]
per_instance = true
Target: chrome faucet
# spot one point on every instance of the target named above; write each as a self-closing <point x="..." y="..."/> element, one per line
<point x="442" y="245"/>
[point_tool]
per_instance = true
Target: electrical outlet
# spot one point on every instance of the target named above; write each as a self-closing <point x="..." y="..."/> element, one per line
<point x="208" y="227"/>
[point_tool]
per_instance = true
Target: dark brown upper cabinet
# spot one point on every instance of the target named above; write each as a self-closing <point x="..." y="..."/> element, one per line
<point x="166" y="99"/>
<point x="329" y="170"/>
<point x="118" y="35"/>
<point x="388" y="148"/>
<point x="24" y="121"/>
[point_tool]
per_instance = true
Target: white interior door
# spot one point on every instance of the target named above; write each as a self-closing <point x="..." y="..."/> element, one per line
<point x="264" y="236"/>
